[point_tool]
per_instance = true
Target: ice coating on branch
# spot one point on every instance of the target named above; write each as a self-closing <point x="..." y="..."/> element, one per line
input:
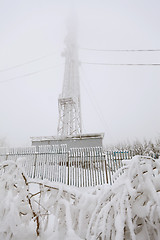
<point x="131" y="209"/>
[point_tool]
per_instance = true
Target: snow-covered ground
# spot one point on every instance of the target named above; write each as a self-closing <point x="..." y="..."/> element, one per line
<point x="41" y="210"/>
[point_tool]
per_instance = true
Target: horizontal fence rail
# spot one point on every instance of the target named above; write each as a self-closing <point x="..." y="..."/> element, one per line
<point x="81" y="167"/>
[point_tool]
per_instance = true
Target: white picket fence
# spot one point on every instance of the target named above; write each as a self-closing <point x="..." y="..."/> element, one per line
<point x="81" y="167"/>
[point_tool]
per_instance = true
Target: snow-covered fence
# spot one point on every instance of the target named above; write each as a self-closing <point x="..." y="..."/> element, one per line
<point x="81" y="167"/>
<point x="87" y="167"/>
<point x="114" y="161"/>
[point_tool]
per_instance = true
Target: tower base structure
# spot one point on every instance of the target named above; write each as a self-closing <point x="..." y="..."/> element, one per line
<point x="77" y="141"/>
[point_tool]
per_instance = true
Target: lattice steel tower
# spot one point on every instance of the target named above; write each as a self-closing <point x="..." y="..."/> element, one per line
<point x="69" y="101"/>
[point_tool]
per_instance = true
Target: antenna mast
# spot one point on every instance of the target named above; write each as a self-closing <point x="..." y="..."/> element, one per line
<point x="69" y="101"/>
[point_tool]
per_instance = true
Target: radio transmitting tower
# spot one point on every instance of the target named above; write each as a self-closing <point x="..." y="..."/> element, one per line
<point x="69" y="123"/>
<point x="69" y="131"/>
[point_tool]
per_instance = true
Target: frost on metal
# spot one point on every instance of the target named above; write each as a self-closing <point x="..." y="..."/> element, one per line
<point x="129" y="209"/>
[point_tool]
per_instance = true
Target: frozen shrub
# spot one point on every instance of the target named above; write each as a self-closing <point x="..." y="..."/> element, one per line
<point x="131" y="209"/>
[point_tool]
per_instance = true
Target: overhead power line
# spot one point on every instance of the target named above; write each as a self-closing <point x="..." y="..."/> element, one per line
<point x="28" y="74"/>
<point x="121" y="50"/>
<point x="123" y="64"/>
<point x="25" y="63"/>
<point x="92" y="97"/>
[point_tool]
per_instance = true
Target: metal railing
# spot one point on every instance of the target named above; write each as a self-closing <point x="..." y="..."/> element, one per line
<point x="81" y="167"/>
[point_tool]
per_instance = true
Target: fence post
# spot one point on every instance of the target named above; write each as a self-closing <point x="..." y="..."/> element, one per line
<point x="106" y="170"/>
<point x="34" y="174"/>
<point x="68" y="167"/>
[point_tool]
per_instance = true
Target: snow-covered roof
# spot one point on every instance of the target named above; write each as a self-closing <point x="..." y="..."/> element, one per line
<point x="81" y="136"/>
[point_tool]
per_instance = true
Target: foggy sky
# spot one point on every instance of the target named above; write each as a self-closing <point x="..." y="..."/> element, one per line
<point x="121" y="101"/>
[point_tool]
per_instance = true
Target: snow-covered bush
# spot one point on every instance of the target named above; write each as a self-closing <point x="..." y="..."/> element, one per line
<point x="40" y="210"/>
<point x="34" y="209"/>
<point x="145" y="148"/>
<point x="17" y="216"/>
<point x="131" y="208"/>
<point x="68" y="209"/>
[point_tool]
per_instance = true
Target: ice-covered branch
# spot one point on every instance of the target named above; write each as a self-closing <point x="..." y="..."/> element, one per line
<point x="131" y="209"/>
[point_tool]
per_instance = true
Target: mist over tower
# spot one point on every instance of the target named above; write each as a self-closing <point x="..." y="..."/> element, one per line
<point x="69" y="123"/>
